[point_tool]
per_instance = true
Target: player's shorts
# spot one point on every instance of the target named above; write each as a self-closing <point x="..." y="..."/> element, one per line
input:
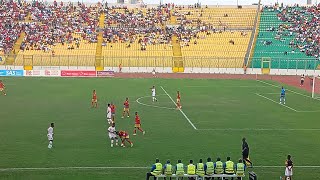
<point x="137" y="125"/>
<point x="110" y="121"/>
<point x="126" y="109"/>
<point x="153" y="95"/>
<point x="288" y="172"/>
<point x="125" y="137"/>
<point x="94" y="100"/>
<point x="109" y="116"/>
<point x="245" y="155"/>
<point x="282" y="95"/>
<point x="113" y="136"/>
<point x="1" y="89"/>
<point x="178" y="100"/>
<point x="50" y="137"/>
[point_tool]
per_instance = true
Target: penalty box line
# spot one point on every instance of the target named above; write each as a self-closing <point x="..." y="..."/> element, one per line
<point x="194" y="127"/>
<point x="285" y="105"/>
<point x="287" y="89"/>
<point x="110" y="167"/>
<point x="277" y="102"/>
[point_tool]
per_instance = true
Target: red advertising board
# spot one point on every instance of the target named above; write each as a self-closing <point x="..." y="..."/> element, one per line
<point x="71" y="73"/>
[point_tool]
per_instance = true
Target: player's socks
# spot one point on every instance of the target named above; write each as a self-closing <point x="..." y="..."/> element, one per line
<point x="117" y="142"/>
<point x="111" y="143"/>
<point x="131" y="144"/>
<point x="140" y="130"/>
<point x="144" y="132"/>
<point x="50" y="145"/>
<point x="134" y="132"/>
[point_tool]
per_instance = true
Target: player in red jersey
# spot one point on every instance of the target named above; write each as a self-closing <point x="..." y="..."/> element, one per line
<point x="178" y="100"/>
<point x="126" y="108"/>
<point x="137" y="125"/>
<point x="124" y="137"/>
<point x="94" y="101"/>
<point x="113" y="112"/>
<point x="2" y="87"/>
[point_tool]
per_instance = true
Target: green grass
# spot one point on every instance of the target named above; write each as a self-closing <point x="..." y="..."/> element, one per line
<point x="215" y="105"/>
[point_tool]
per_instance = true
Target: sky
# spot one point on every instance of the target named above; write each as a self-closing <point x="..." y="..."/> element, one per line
<point x="206" y="2"/>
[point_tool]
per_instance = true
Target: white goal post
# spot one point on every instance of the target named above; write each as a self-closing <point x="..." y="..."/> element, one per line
<point x="316" y="87"/>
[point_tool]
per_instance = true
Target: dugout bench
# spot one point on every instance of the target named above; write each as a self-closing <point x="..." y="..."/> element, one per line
<point x="222" y="176"/>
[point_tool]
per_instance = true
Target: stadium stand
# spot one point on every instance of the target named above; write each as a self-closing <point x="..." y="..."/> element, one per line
<point x="60" y="35"/>
<point x="77" y="34"/>
<point x="218" y="35"/>
<point x="282" y="38"/>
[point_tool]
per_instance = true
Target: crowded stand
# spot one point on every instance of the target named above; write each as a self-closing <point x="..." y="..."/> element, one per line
<point x="11" y="16"/>
<point x="304" y="28"/>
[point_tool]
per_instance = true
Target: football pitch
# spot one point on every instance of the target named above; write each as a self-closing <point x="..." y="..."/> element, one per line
<point x="215" y="115"/>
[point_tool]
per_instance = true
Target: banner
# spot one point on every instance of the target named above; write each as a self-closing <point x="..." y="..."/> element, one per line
<point x="11" y="72"/>
<point x="44" y="73"/>
<point x="33" y="73"/>
<point x="51" y="72"/>
<point x="70" y="73"/>
<point x="105" y="73"/>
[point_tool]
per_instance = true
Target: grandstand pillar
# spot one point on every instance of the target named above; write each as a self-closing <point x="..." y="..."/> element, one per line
<point x="178" y="64"/>
<point x="99" y="58"/>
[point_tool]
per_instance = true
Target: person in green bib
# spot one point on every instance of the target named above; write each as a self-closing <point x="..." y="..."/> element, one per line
<point x="200" y="168"/>
<point x="240" y="168"/>
<point x="167" y="169"/>
<point x="156" y="170"/>
<point x="191" y="169"/>
<point x="209" y="168"/>
<point x="218" y="167"/>
<point x="180" y="169"/>
<point x="229" y="167"/>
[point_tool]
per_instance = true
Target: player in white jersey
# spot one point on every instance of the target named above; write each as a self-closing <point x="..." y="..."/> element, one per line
<point x="50" y="135"/>
<point x="109" y="115"/>
<point x="153" y="93"/>
<point x="113" y="134"/>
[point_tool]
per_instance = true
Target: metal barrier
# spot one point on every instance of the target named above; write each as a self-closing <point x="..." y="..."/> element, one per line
<point x="311" y="63"/>
<point x="164" y="61"/>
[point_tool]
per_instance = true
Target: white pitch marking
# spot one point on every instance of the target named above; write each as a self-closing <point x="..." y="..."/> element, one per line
<point x="257" y="129"/>
<point x="109" y="167"/>
<point x="225" y="86"/>
<point x="277" y="102"/>
<point x="309" y="111"/>
<point x="271" y="93"/>
<point x="288" y="90"/>
<point x="149" y="105"/>
<point x="194" y="127"/>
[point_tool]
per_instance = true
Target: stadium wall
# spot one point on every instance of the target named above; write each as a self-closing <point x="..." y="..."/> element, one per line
<point x="73" y="71"/>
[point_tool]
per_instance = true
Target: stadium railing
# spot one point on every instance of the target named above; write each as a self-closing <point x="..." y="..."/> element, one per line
<point x="161" y="62"/>
<point x="222" y="176"/>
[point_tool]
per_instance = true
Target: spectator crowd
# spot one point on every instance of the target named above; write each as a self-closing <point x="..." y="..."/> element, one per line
<point x="302" y="25"/>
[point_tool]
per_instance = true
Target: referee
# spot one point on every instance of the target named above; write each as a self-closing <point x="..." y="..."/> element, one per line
<point x="245" y="152"/>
